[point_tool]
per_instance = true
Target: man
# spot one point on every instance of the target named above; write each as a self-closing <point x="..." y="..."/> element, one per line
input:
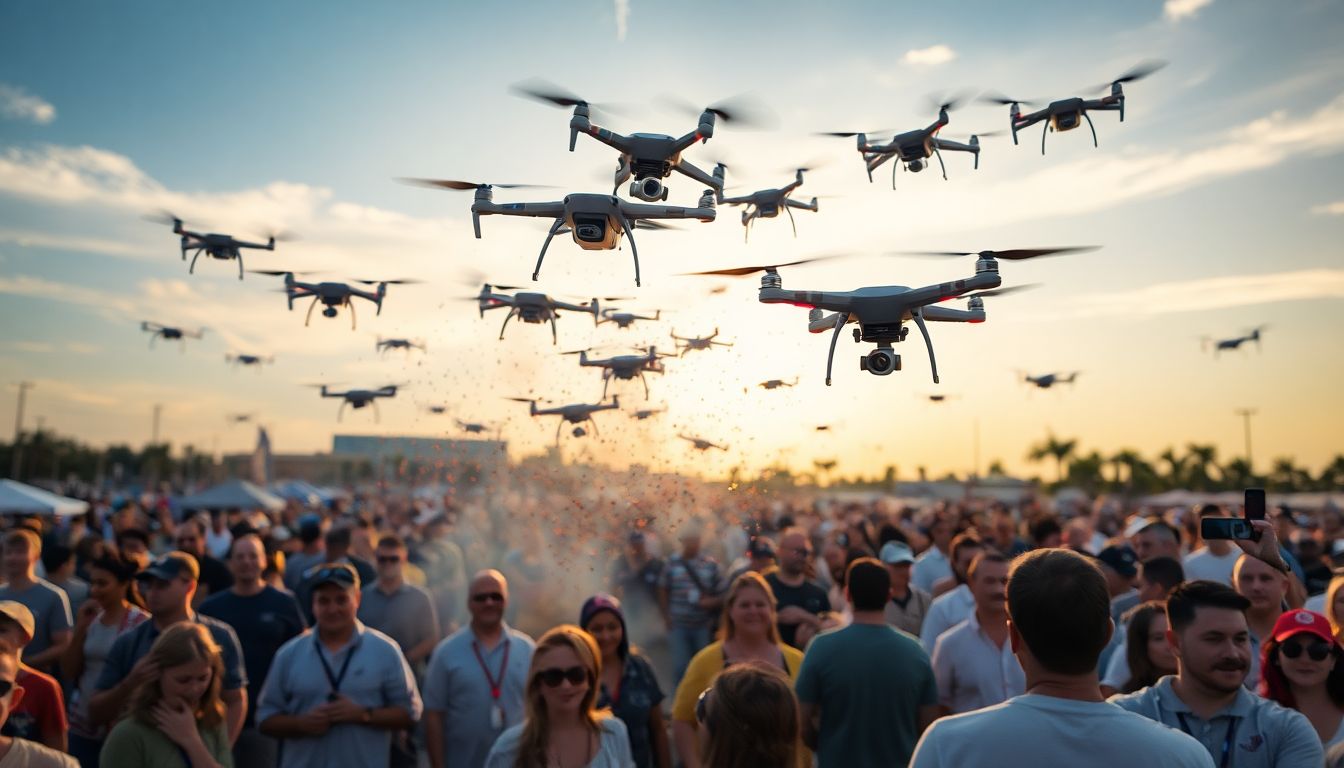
<point x="906" y="608"/>
<point x="1157" y="578"/>
<point x="215" y="577"/>
<point x="1213" y="561"/>
<point x="800" y="603"/>
<point x="264" y="619"/>
<point x="865" y="691"/>
<point x="445" y="569"/>
<point x="21" y="753"/>
<point x="1119" y="565"/>
<point x="168" y="586"/>
<point x="58" y="561"/>
<point x="134" y="544"/>
<point x="477" y="680"/>
<point x="218" y="537"/>
<point x="760" y="557"/>
<point x="932" y="565"/>
<point x="40" y="716"/>
<point x="952" y="608"/>
<point x="688" y="596"/>
<point x="54" y="624"/>
<point x="1156" y="539"/>
<point x="1207" y="698"/>
<point x="401" y="611"/>
<point x="337" y="694"/>
<point x="1265" y="587"/>
<point x="310" y="554"/>
<point x="974" y="662"/>
<point x="338" y="542"/>
<point x="1004" y="529"/>
<point x="635" y="576"/>
<point x="1059" y="619"/>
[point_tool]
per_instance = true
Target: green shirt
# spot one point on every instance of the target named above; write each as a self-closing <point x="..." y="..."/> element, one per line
<point x="132" y="744"/>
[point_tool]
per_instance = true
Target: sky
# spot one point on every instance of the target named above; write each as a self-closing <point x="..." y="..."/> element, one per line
<point x="1217" y="207"/>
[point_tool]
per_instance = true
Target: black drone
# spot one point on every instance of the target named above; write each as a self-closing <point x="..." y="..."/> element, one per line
<point x="382" y="345"/>
<point x="532" y="307"/>
<point x="766" y="203"/>
<point x="1067" y="114"/>
<point x="169" y="333"/>
<point x="624" y="367"/>
<point x="332" y="295"/>
<point x="646" y="413"/>
<point x="777" y="383"/>
<point x="913" y="148"/>
<point x="688" y="343"/>
<point x="700" y="444"/>
<point x="624" y="320"/>
<point x="216" y="246"/>
<point x="1048" y="380"/>
<point x="254" y="361"/>
<point x="576" y="414"/>
<point x="359" y="398"/>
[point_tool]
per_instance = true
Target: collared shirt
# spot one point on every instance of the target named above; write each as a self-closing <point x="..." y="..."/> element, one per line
<point x="908" y="614"/>
<point x="929" y="567"/>
<point x="457" y="686"/>
<point x="686" y="582"/>
<point x="972" y="671"/>
<point x="407" y="616"/>
<point x="1262" y="732"/>
<point x="135" y="644"/>
<point x="945" y="612"/>
<point x="377" y="676"/>
<point x="1122" y="603"/>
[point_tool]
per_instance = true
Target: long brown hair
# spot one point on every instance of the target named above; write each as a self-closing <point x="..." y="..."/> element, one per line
<point x="182" y="643"/>
<point x="536" y="723"/>
<point x="1336" y="622"/>
<point x="750" y="579"/>
<point x="1142" y="671"/>
<point x="752" y="719"/>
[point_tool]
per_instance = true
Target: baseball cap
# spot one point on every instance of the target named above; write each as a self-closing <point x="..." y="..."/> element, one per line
<point x="1121" y="559"/>
<point x="1137" y="525"/>
<point x="170" y="566"/>
<point x="20" y="614"/>
<point x="1296" y="622"/>
<point x="761" y="547"/>
<point x="895" y="553"/>
<point x="340" y="574"/>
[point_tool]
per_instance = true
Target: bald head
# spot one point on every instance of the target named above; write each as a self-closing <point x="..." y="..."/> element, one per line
<point x="487" y="597"/>
<point x="1260" y="583"/>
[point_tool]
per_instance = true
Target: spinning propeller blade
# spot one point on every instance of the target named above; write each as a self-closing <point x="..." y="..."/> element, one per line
<point x="1137" y="72"/>
<point x="401" y="281"/>
<point x="1013" y="255"/>
<point x="998" y="98"/>
<point x="1006" y="290"/>
<point x="463" y="185"/>
<point x="852" y="134"/>
<point x="544" y="90"/>
<point x="742" y="110"/>
<point x="162" y="216"/>
<point x="744" y="271"/>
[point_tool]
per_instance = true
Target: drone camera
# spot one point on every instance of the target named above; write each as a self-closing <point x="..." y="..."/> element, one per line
<point x="649" y="189"/>
<point x="329" y="312"/>
<point x="1067" y="121"/>
<point x="880" y="362"/>
<point x="590" y="229"/>
<point x="915" y="166"/>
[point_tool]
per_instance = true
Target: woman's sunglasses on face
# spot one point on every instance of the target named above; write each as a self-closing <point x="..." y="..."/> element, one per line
<point x="1317" y="650"/>
<point x="553" y="676"/>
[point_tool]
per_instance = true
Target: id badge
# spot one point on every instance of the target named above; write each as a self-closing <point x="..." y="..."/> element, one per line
<point x="496" y="717"/>
<point x="693" y="596"/>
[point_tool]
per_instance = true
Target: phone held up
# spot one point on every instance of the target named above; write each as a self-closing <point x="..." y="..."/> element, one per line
<point x="1234" y="528"/>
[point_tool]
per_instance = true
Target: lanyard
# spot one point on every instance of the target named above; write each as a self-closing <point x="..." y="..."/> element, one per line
<point x="334" y="679"/>
<point x="1227" y="740"/>
<point x="496" y="686"/>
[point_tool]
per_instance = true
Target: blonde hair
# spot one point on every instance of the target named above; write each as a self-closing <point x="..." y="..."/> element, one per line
<point x="750" y="579"/>
<point x="536" y="723"/>
<point x="1336" y="626"/>
<point x="182" y="643"/>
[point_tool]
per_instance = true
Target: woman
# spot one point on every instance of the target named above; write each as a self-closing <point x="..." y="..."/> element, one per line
<point x="628" y="685"/>
<point x="1146" y="648"/>
<point x="1333" y="610"/>
<point x="561" y="723"/>
<point x="176" y="715"/>
<point x="749" y="719"/>
<point x="113" y="608"/>
<point x="1301" y="669"/>
<point x="746" y="633"/>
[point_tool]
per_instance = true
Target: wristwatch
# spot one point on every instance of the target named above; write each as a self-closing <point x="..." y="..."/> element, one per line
<point x="368" y="716"/>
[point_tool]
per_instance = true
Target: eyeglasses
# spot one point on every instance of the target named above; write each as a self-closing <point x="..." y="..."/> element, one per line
<point x="702" y="706"/>
<point x="553" y="676"/>
<point x="1318" y="650"/>
<point x="5" y="687"/>
<point x="389" y="559"/>
<point x="490" y="597"/>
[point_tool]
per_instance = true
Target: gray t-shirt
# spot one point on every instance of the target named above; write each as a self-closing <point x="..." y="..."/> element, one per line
<point x="407" y="616"/>
<point x="51" y="612"/>
<point x="457" y="685"/>
<point x="97" y="645"/>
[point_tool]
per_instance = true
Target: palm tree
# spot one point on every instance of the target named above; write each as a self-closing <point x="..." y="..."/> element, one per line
<point x="1332" y="477"/>
<point x="1237" y="474"/>
<point x="1085" y="472"/>
<point x="1061" y="450"/>
<point x="1125" y="459"/>
<point x="1175" y="468"/>
<point x="1285" y="476"/>
<point x="1201" y="459"/>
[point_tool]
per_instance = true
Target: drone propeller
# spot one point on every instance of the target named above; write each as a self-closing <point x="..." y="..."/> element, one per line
<point x="463" y="185"/>
<point x="1013" y="255"/>
<point x="742" y="110"/>
<point x="1005" y="291"/>
<point x="162" y="216"/>
<point x="744" y="271"/>
<point x="852" y="134"/>
<point x="401" y="281"/>
<point x="940" y="102"/>
<point x="1137" y="72"/>
<point x="651" y="224"/>
<point x="998" y="98"/>
<point x="280" y="236"/>
<point x="573" y="352"/>
<point x="279" y="272"/>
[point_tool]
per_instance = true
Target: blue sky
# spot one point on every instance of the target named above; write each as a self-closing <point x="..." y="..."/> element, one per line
<point x="1217" y="203"/>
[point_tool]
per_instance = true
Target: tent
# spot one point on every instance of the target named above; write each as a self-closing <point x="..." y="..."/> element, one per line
<point x="233" y="494"/>
<point x="20" y="499"/>
<point x="301" y="491"/>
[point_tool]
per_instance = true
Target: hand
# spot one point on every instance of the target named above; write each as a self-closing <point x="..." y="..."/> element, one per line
<point x="87" y="613"/>
<point x="792" y="614"/>
<point x="1267" y="548"/>
<point x="708" y="603"/>
<point x="176" y="722"/>
<point x="315" y="722"/>
<point x="143" y="670"/>
<point x="343" y="710"/>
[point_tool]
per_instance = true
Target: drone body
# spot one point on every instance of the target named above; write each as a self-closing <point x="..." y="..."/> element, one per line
<point x="214" y="245"/>
<point x="686" y="344"/>
<point x="1227" y="345"/>
<point x="702" y="445"/>
<point x="624" y="367"/>
<point x="332" y="295"/>
<point x="777" y="383"/>
<point x="1068" y="114"/>
<point x="1048" y="380"/>
<point x="359" y="398"/>
<point x="912" y="149"/>
<point x="766" y="203"/>
<point x="169" y="333"/>
<point x="255" y="361"/>
<point x="624" y="320"/>
<point x="529" y="307"/>
<point x="382" y="345"/>
<point x="646" y="413"/>
<point x="239" y="418"/>
<point x="577" y="414"/>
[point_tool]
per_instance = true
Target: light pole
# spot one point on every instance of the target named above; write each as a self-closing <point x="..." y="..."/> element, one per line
<point x="17" y="449"/>
<point x="1246" y="414"/>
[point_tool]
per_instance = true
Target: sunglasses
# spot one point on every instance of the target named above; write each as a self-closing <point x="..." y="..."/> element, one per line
<point x="1318" y="650"/>
<point x="389" y="559"/>
<point x="553" y="676"/>
<point x="702" y="706"/>
<point x="488" y="597"/>
<point x="5" y="687"/>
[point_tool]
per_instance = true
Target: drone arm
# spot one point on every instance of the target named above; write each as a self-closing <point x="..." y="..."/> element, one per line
<point x="559" y="222"/>
<point x="832" y="302"/>
<point x="611" y="138"/>
<point x="930" y="294"/>
<point x="875" y="161"/>
<point x="699" y="175"/>
<point x="928" y="342"/>
<point x="812" y="206"/>
<point x="840" y="320"/>
<point x="828" y="322"/>
<point x="634" y="211"/>
<point x="950" y="315"/>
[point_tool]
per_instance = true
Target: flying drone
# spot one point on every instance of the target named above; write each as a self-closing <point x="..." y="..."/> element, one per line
<point x="255" y="361"/>
<point x="1067" y="114"/>
<point x="382" y="345"/>
<point x="169" y="333"/>
<point x="646" y="413"/>
<point x="358" y="398"/>
<point x="687" y="344"/>
<point x="574" y="414"/>
<point x="597" y="222"/>
<point x="1048" y="380"/>
<point x="882" y="311"/>
<point x="472" y="428"/>
<point x="531" y="307"/>
<point x="648" y="157"/>
<point x="765" y="203"/>
<point x="437" y="410"/>
<point x="700" y="444"/>
<point x="332" y="295"/>
<point x="239" y="418"/>
<point x="777" y="383"/>
<point x="936" y="398"/>
<point x="1220" y="345"/>
<point x="216" y="246"/>
<point x="624" y="367"/>
<point x="913" y="148"/>
<point x="825" y="466"/>
<point x="626" y="319"/>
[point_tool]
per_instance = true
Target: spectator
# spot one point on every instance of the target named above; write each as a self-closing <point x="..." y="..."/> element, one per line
<point x="1046" y="532"/>
<point x="310" y="554"/>
<point x="801" y="603"/>
<point x="40" y="716"/>
<point x="168" y="584"/>
<point x="908" y="604"/>
<point x="1005" y="538"/>
<point x="933" y="564"/>
<point x="1302" y="670"/>
<point x="401" y="611"/>
<point x="628" y="685"/>
<point x="112" y="610"/>
<point x="1157" y="578"/>
<point x="865" y="691"/>
<point x="1120" y="565"/>
<point x="688" y="597"/>
<point x="264" y="619"/>
<point x="951" y="608"/>
<point x="58" y="561"/>
<point x="1332" y="606"/>
<point x="337" y="694"/>
<point x="338" y="542"/>
<point x="760" y="557"/>
<point x="749" y="633"/>
<point x="133" y="543"/>
<point x="477" y="679"/>
<point x="50" y="607"/>
<point x="973" y="662"/>
<point x="21" y="753"/>
<point x="176" y="714"/>
<point x="215" y="577"/>
<point x="1157" y="539"/>
<point x="1265" y="587"/>
<point x="218" y="537"/>
<point x="1146" y="648"/>
<point x="749" y="719"/>
<point x="1060" y="619"/>
<point x="562" y="725"/>
<point x="445" y="571"/>
<point x="1213" y="561"/>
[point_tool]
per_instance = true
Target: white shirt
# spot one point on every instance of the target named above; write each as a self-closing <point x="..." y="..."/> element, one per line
<point x="929" y="568"/>
<point x="945" y="612"/>
<point x="1316" y="603"/>
<point x="972" y="672"/>
<point x="1047" y="731"/>
<point x="613" y="747"/>
<point x="1203" y="564"/>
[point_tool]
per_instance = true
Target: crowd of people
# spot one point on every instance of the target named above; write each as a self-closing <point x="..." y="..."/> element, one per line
<point x="544" y="626"/>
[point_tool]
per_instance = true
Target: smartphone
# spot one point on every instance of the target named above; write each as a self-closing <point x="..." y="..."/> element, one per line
<point x="1226" y="528"/>
<point x="1254" y="505"/>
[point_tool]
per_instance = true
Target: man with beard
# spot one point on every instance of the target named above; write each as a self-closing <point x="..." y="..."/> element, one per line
<point x="952" y="608"/>
<point x="801" y="602"/>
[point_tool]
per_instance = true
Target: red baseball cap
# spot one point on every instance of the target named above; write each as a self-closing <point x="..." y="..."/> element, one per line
<point x="1301" y="620"/>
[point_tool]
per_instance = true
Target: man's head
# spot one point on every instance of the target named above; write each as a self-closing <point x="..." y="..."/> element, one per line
<point x="965" y="548"/>
<point x="867" y="584"/>
<point x="169" y="583"/>
<point x="1004" y="527"/>
<point x="487" y="597"/>
<point x="335" y="591"/>
<point x="21" y="553"/>
<point x="16" y="625"/>
<point x="637" y="543"/>
<point x="337" y="542"/>
<point x="898" y="558"/>
<point x="1264" y="586"/>
<point x="1059" y="612"/>
<point x="361" y="534"/>
<point x="941" y="530"/>
<point x="1158" y="577"/>
<point x="391" y="555"/>
<point x="1206" y="626"/>
<point x="310" y="529"/>
<point x="10" y="692"/>
<point x="988" y="577"/>
<point x="1046" y="533"/>
<point x="134" y="544"/>
<point x="1157" y="539"/>
<point x="689" y="535"/>
<point x="190" y="538"/>
<point x="247" y="558"/>
<point x="58" y="561"/>
<point x="795" y="551"/>
<point x="761" y="553"/>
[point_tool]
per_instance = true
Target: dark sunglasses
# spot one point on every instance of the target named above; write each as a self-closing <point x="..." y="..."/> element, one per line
<point x="5" y="687"/>
<point x="702" y="706"/>
<point x="1318" y="650"/>
<point x="484" y="597"/>
<point x="553" y="676"/>
<point x="389" y="559"/>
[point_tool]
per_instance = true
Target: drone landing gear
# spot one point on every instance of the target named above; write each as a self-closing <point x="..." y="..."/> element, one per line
<point x="549" y="236"/>
<point x="830" y="357"/>
<point x="1088" y="118"/>
<point x="793" y="223"/>
<point x="350" y="306"/>
<point x="939" y="155"/>
<point x="307" y="319"/>
<point x="554" y="340"/>
<point x="918" y="316"/>
<point x="507" y="318"/>
<point x="634" y="249"/>
<point x="192" y="269"/>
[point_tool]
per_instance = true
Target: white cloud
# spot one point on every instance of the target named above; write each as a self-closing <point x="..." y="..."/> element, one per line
<point x="1216" y="293"/>
<point x="25" y="238"/>
<point x="1329" y="209"/>
<point x="929" y="57"/>
<point x="18" y="104"/>
<point x="1175" y="10"/>
<point x="622" y="18"/>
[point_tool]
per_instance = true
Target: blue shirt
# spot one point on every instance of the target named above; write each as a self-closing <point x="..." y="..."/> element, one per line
<point x="51" y="612"/>
<point x="263" y="622"/>
<point x="456" y="685"/>
<point x="638" y="695"/>
<point x="133" y="645"/>
<point x="377" y="676"/>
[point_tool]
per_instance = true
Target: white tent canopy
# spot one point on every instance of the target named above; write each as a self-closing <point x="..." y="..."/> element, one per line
<point x="19" y="499"/>
<point x="233" y="494"/>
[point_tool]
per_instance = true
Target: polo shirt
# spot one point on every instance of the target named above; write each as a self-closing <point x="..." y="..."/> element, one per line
<point x="1203" y="564"/>
<point x="134" y="644"/>
<point x="972" y="671"/>
<point x="945" y="612"/>
<point x="51" y="612"/>
<point x="908" y="615"/>
<point x="457" y="685"/>
<point x="931" y="566"/>
<point x="1257" y="732"/>
<point x="376" y="676"/>
<point x="407" y="615"/>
